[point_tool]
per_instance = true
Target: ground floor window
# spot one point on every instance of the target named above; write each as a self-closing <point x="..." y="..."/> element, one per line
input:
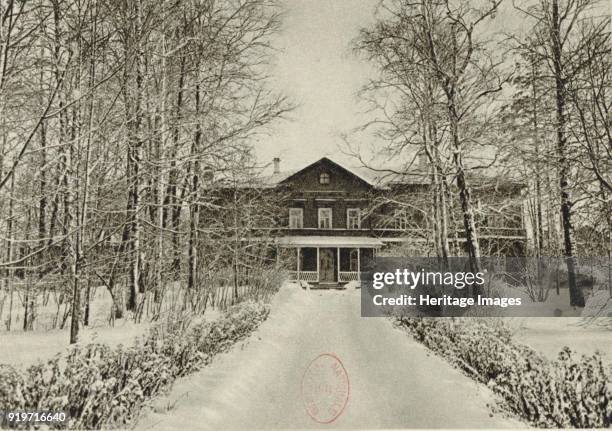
<point x="309" y="259"/>
<point x="354" y="260"/>
<point x="329" y="264"/>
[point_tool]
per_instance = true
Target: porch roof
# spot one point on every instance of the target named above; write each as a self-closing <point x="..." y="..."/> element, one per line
<point x="329" y="241"/>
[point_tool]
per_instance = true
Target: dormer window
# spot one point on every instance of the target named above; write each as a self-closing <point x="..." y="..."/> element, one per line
<point x="323" y="178"/>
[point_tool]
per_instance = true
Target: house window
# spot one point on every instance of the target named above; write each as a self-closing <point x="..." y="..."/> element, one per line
<point x="495" y="221"/>
<point x="353" y="218"/>
<point x="296" y="218"/>
<point x="354" y="260"/>
<point x="325" y="218"/>
<point x="400" y="219"/>
<point x="324" y="178"/>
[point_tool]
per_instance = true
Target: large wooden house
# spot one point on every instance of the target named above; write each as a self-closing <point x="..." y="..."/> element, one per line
<point x="333" y="219"/>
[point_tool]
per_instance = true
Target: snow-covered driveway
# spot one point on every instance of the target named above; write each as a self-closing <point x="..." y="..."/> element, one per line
<point x="394" y="381"/>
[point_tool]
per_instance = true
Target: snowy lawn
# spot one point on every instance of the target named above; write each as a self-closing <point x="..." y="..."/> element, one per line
<point x="24" y="348"/>
<point x="27" y="348"/>
<point x="585" y="335"/>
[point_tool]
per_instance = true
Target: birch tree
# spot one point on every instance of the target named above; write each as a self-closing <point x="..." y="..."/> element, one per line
<point x="560" y="40"/>
<point x="440" y="42"/>
<point x="113" y="117"/>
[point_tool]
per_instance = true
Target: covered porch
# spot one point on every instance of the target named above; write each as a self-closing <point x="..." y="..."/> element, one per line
<point x="329" y="260"/>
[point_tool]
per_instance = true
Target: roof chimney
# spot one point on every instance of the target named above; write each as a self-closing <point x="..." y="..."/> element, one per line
<point x="276" y="161"/>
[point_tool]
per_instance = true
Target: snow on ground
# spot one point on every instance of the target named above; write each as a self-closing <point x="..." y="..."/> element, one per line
<point x="394" y="381"/>
<point x="599" y="304"/>
<point x="27" y="348"/>
<point x="549" y="335"/>
<point x="551" y="325"/>
<point x="574" y="329"/>
<point x="24" y="348"/>
<point x="49" y="312"/>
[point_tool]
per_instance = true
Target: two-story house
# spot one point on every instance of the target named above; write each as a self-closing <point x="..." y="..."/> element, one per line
<point x="337" y="218"/>
<point x="328" y="221"/>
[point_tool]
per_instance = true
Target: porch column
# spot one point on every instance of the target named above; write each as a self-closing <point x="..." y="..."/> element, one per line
<point x="338" y="263"/>
<point x="298" y="263"/>
<point x="317" y="264"/>
<point x="358" y="264"/>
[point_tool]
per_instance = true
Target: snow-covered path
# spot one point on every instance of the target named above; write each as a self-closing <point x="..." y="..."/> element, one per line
<point x="394" y="381"/>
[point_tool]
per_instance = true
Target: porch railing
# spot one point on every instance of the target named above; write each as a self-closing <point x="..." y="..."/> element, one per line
<point x="346" y="276"/>
<point x="312" y="276"/>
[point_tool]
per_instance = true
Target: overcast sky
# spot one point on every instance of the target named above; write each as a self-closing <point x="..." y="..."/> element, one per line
<point x="317" y="69"/>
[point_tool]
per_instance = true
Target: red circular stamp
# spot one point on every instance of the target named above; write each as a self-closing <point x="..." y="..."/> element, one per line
<point x="325" y="388"/>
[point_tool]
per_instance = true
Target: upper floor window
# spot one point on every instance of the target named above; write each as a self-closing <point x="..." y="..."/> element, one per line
<point x="323" y="178"/>
<point x="353" y="218"/>
<point x="325" y="218"/>
<point x="296" y="218"/>
<point x="400" y="219"/>
<point x="499" y="221"/>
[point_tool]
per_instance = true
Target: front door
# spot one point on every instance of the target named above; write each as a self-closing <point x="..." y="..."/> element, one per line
<point x="326" y="265"/>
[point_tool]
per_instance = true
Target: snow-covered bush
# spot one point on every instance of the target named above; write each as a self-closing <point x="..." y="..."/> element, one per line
<point x="97" y="386"/>
<point x="569" y="392"/>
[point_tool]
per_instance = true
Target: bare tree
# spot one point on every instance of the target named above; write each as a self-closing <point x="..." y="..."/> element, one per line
<point x="560" y="41"/>
<point x="112" y="115"/>
<point x="431" y="52"/>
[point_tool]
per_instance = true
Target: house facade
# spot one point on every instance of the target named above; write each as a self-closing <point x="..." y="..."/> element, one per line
<point x="335" y="219"/>
<point x="326" y="223"/>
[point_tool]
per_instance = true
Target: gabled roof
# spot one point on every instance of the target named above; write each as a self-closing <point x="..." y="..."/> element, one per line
<point x="370" y="177"/>
<point x="384" y="178"/>
<point x="379" y="179"/>
<point x="334" y="164"/>
<point x="375" y="179"/>
<point x="277" y="178"/>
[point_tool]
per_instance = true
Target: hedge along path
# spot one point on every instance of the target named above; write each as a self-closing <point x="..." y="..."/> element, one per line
<point x="103" y="387"/>
<point x="566" y="393"/>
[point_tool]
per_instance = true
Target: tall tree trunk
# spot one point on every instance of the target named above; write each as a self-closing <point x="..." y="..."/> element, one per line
<point x="576" y="294"/>
<point x="236" y="258"/>
<point x="172" y="193"/>
<point x="87" y="175"/>
<point x="76" y="296"/>
<point x="134" y="119"/>
<point x="443" y="222"/>
<point x="157" y="297"/>
<point x="469" y="225"/>
<point x="438" y="191"/>
<point x="194" y="206"/>
<point x="9" y="252"/>
<point x="76" y="221"/>
<point x="539" y="233"/>
<point x="42" y="203"/>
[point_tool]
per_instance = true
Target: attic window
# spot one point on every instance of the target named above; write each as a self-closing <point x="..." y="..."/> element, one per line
<point x="324" y="178"/>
